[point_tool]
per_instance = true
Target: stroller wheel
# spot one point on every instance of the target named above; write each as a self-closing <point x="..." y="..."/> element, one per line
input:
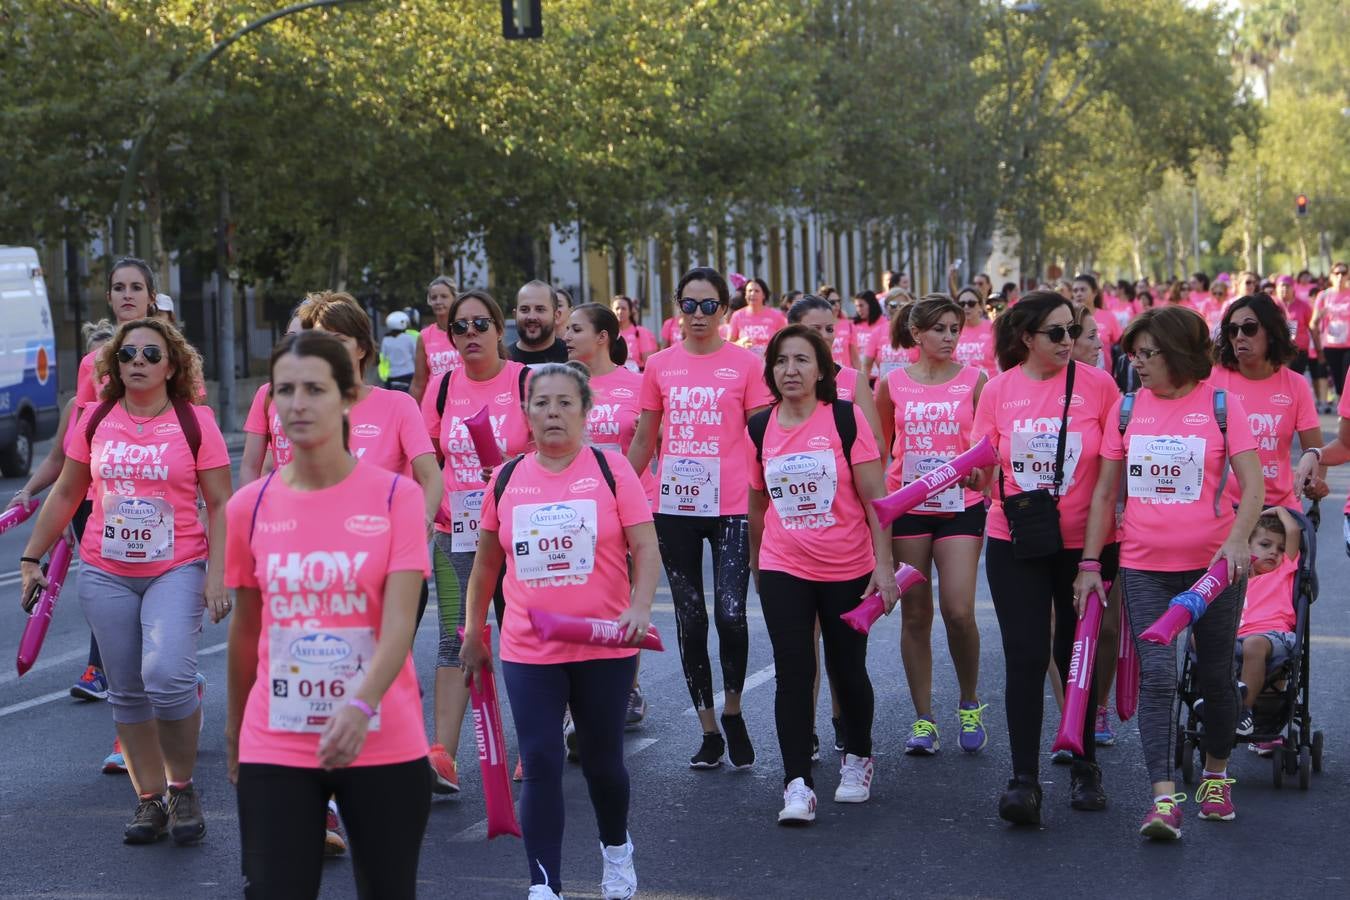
<point x="1188" y="762"/>
<point x="1277" y="768"/>
<point x="1317" y="751"/>
<point x="1304" y="768"/>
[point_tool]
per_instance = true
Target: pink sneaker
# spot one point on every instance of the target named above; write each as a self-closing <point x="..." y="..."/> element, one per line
<point x="1163" y="822"/>
<point x="1216" y="799"/>
<point x="1266" y="748"/>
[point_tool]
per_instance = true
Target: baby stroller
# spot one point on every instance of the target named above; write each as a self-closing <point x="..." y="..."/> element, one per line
<point x="1281" y="711"/>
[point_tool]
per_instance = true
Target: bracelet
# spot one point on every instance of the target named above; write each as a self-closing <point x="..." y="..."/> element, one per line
<point x="29" y="559"/>
<point x="1315" y="451"/>
<point x="363" y="706"/>
<point x="1089" y="565"/>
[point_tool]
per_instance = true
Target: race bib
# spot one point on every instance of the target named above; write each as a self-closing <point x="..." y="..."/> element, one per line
<point x="315" y="672"/>
<point x="1338" y="330"/>
<point x="690" y="486"/>
<point x="802" y="484"/>
<point x="1033" y="459"/>
<point x="916" y="465"/>
<point x="550" y="540"/>
<point x="1166" y="469"/>
<point x="137" y="529"/>
<point x="466" y="508"/>
<point x="1293" y="329"/>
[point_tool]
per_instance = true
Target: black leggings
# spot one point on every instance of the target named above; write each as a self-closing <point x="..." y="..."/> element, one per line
<point x="791" y="608"/>
<point x="596" y="691"/>
<point x="1338" y="360"/>
<point x="1024" y="592"/>
<point x="681" y="540"/>
<point x="282" y="810"/>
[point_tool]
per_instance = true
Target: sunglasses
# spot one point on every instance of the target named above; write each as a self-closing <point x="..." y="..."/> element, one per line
<point x="126" y="353"/>
<point x="893" y="305"/>
<point x="1057" y="333"/>
<point x="1249" y="328"/>
<point x="707" y="307"/>
<point x="480" y="324"/>
<point x="970" y="303"/>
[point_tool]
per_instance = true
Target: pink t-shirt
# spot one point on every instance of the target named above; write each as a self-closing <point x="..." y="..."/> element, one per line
<point x="830" y="545"/>
<point x="1176" y="453"/>
<point x="1335" y="323"/>
<point x="387" y="430"/>
<point x="753" y="330"/>
<point x="846" y="383"/>
<point x="86" y="391"/>
<point x="543" y="512"/>
<point x="704" y="403"/>
<point x="843" y="339"/>
<point x="440" y="350"/>
<point x="1343" y="410"/>
<point x="1122" y="310"/>
<point x="865" y="337"/>
<point x="1299" y="314"/>
<point x="144" y="490"/>
<point x="1277" y="408"/>
<point x="264" y="420"/>
<point x="1270" y="601"/>
<point x="932" y="426"/>
<point x="641" y="344"/>
<point x="1022" y="417"/>
<point x="616" y="399"/>
<point x="975" y="347"/>
<point x="319" y="560"/>
<point x="888" y="358"/>
<point x="1109" y="330"/>
<point x="670" y="330"/>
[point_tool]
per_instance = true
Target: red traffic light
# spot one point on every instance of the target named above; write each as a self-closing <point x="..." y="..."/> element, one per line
<point x="1301" y="204"/>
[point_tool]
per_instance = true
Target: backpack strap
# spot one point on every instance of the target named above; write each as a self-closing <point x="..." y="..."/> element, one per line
<point x="520" y="384"/>
<point x="441" y="393"/>
<point x="847" y="426"/>
<point x="192" y="429"/>
<point x="389" y="501"/>
<point x="91" y="424"/>
<point x="503" y="476"/>
<point x="1221" y="417"/>
<point x="605" y="471"/>
<point x="253" y="522"/>
<point x="1126" y="411"/>
<point x="758" y="424"/>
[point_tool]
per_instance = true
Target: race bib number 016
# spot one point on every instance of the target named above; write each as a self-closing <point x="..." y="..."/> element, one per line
<point x="690" y="486"/>
<point x="466" y="508"/>
<point x="1033" y="459"/>
<point x="315" y="672"/>
<point x="137" y="529"/>
<point x="1166" y="469"/>
<point x="802" y="484"/>
<point x="550" y="540"/>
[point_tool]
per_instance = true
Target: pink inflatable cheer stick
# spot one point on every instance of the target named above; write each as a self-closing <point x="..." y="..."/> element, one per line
<point x="1081" y="690"/>
<point x="1127" y="671"/>
<point x="484" y="443"/>
<point x="35" y="631"/>
<point x="1189" y="605"/>
<point x="895" y="505"/>
<point x="863" y="616"/>
<point x="487" y="729"/>
<point x="585" y="630"/>
<point x="17" y="514"/>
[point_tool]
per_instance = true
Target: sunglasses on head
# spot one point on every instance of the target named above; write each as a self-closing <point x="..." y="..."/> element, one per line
<point x="707" y="307"/>
<point x="126" y="353"/>
<point x="480" y="324"/>
<point x="1057" y="332"/>
<point x="1249" y="328"/>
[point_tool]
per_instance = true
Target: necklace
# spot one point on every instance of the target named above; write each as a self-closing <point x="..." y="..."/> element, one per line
<point x="141" y="423"/>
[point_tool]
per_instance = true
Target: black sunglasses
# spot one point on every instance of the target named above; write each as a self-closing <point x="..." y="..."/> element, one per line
<point x="480" y="324"/>
<point x="970" y="303"/>
<point x="1249" y="328"/>
<point x="126" y="353"/>
<point x="1057" y="332"/>
<point x="708" y="307"/>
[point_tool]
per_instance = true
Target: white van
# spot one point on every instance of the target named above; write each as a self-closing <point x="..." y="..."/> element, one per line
<point x="29" y="406"/>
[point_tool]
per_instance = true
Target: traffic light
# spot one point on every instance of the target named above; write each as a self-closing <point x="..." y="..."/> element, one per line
<point x="1301" y="204"/>
<point x="522" y="19"/>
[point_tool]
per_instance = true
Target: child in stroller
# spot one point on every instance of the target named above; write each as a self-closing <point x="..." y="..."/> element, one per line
<point x="1265" y="638"/>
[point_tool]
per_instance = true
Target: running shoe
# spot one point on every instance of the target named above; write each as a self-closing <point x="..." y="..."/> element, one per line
<point x="637" y="709"/>
<point x="619" y="881"/>
<point x="799" y="804"/>
<point x="149" y="824"/>
<point x="815" y="748"/>
<point x="973" y="736"/>
<point x="1216" y="799"/>
<point x="334" y="841"/>
<point x="1085" y="787"/>
<point x="1062" y="757"/>
<point x="1266" y="748"/>
<point x="838" y="734"/>
<point x="1163" y="822"/>
<point x="1104" y="736"/>
<point x="709" y="755"/>
<point x="201" y="701"/>
<point x="186" y="823"/>
<point x="115" y="763"/>
<point x="519" y="774"/>
<point x="1245" y="722"/>
<point x="855" y="780"/>
<point x="542" y="892"/>
<point x="739" y="749"/>
<point x="1020" y="802"/>
<point x="923" y="738"/>
<point x="93" y="685"/>
<point x="445" y="773"/>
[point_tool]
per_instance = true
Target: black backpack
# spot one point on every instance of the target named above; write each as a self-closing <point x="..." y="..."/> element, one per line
<point x="444" y="389"/>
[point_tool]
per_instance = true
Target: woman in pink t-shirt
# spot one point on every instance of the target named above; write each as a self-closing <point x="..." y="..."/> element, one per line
<point x="149" y="566"/>
<point x="870" y="319"/>
<point x="436" y="353"/>
<point x="976" y="346"/>
<point x="816" y="549"/>
<point x="1087" y="294"/>
<point x="844" y="348"/>
<point x="326" y="555"/>
<point x="1024" y="411"/>
<point x="753" y="326"/>
<point x="886" y="352"/>
<point x="1331" y="321"/>
<point x="928" y="410"/>
<point x="817" y="314"/>
<point x="565" y="520"/>
<point x="131" y="296"/>
<point x="641" y="342"/>
<point x="1175" y="454"/>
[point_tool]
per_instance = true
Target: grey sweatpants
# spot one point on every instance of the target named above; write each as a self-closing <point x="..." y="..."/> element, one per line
<point x="1146" y="597"/>
<point x="451" y="571"/>
<point x="147" y="630"/>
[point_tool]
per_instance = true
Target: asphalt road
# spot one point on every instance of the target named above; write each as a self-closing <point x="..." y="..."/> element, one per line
<point x="930" y="829"/>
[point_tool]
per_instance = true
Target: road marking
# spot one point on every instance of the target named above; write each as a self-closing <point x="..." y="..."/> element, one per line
<point x="51" y="663"/>
<point x="751" y="682"/>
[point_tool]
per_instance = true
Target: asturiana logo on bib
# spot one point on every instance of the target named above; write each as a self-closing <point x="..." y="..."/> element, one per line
<point x="320" y="648"/>
<point x="799" y="464"/>
<point x="1044" y="443"/>
<point x="135" y="508"/>
<point x="1281" y="400"/>
<point x="727" y="374"/>
<point x="366" y="526"/>
<point x="473" y="500"/>
<point x="1165" y="446"/>
<point x="164" y="428"/>
<point x="553" y="515"/>
<point x="819" y="442"/>
<point x="687" y="468"/>
<point x="1195" y="419"/>
<point x="366" y="430"/>
<point x="583" y="485"/>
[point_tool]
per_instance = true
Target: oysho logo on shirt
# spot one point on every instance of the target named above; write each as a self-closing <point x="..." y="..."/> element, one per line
<point x="1195" y="419"/>
<point x="727" y="374"/>
<point x="1281" y="400"/>
<point x="583" y="485"/>
<point x="164" y="428"/>
<point x="366" y="430"/>
<point x="819" y="442"/>
<point x="320" y="648"/>
<point x="673" y="373"/>
<point x="1017" y="404"/>
<point x="366" y="526"/>
<point x="278" y="527"/>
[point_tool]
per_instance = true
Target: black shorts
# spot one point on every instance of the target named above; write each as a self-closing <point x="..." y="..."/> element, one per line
<point x="967" y="523"/>
<point x="1299" y="364"/>
<point x="1317" y="368"/>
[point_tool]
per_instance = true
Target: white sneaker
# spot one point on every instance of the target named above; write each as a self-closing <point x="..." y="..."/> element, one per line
<point x="619" y="882"/>
<point x="542" y="892"/>
<point x="799" y="803"/>
<point x="855" y="780"/>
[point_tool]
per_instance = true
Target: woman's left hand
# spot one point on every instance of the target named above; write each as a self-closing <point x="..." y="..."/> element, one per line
<point x="635" y="623"/>
<point x="218" y="601"/>
<point x="1316" y="488"/>
<point x="975" y="481"/>
<point x="883" y="582"/>
<point x="342" y="738"/>
<point x="1236" y="551"/>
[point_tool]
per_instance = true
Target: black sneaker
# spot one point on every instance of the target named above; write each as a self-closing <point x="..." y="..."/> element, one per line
<point x="150" y="823"/>
<point x="1020" y="804"/>
<point x="815" y="748"/>
<point x="709" y="756"/>
<point x="838" y="734"/>
<point x="1085" y="786"/>
<point x="186" y="823"/>
<point x="739" y="749"/>
<point x="637" y="709"/>
<point x="1245" y="725"/>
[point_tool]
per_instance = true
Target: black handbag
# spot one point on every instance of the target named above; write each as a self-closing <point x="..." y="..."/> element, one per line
<point x="1033" y="516"/>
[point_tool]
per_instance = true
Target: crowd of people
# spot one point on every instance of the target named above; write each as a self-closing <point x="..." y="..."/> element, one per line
<point x="763" y="428"/>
